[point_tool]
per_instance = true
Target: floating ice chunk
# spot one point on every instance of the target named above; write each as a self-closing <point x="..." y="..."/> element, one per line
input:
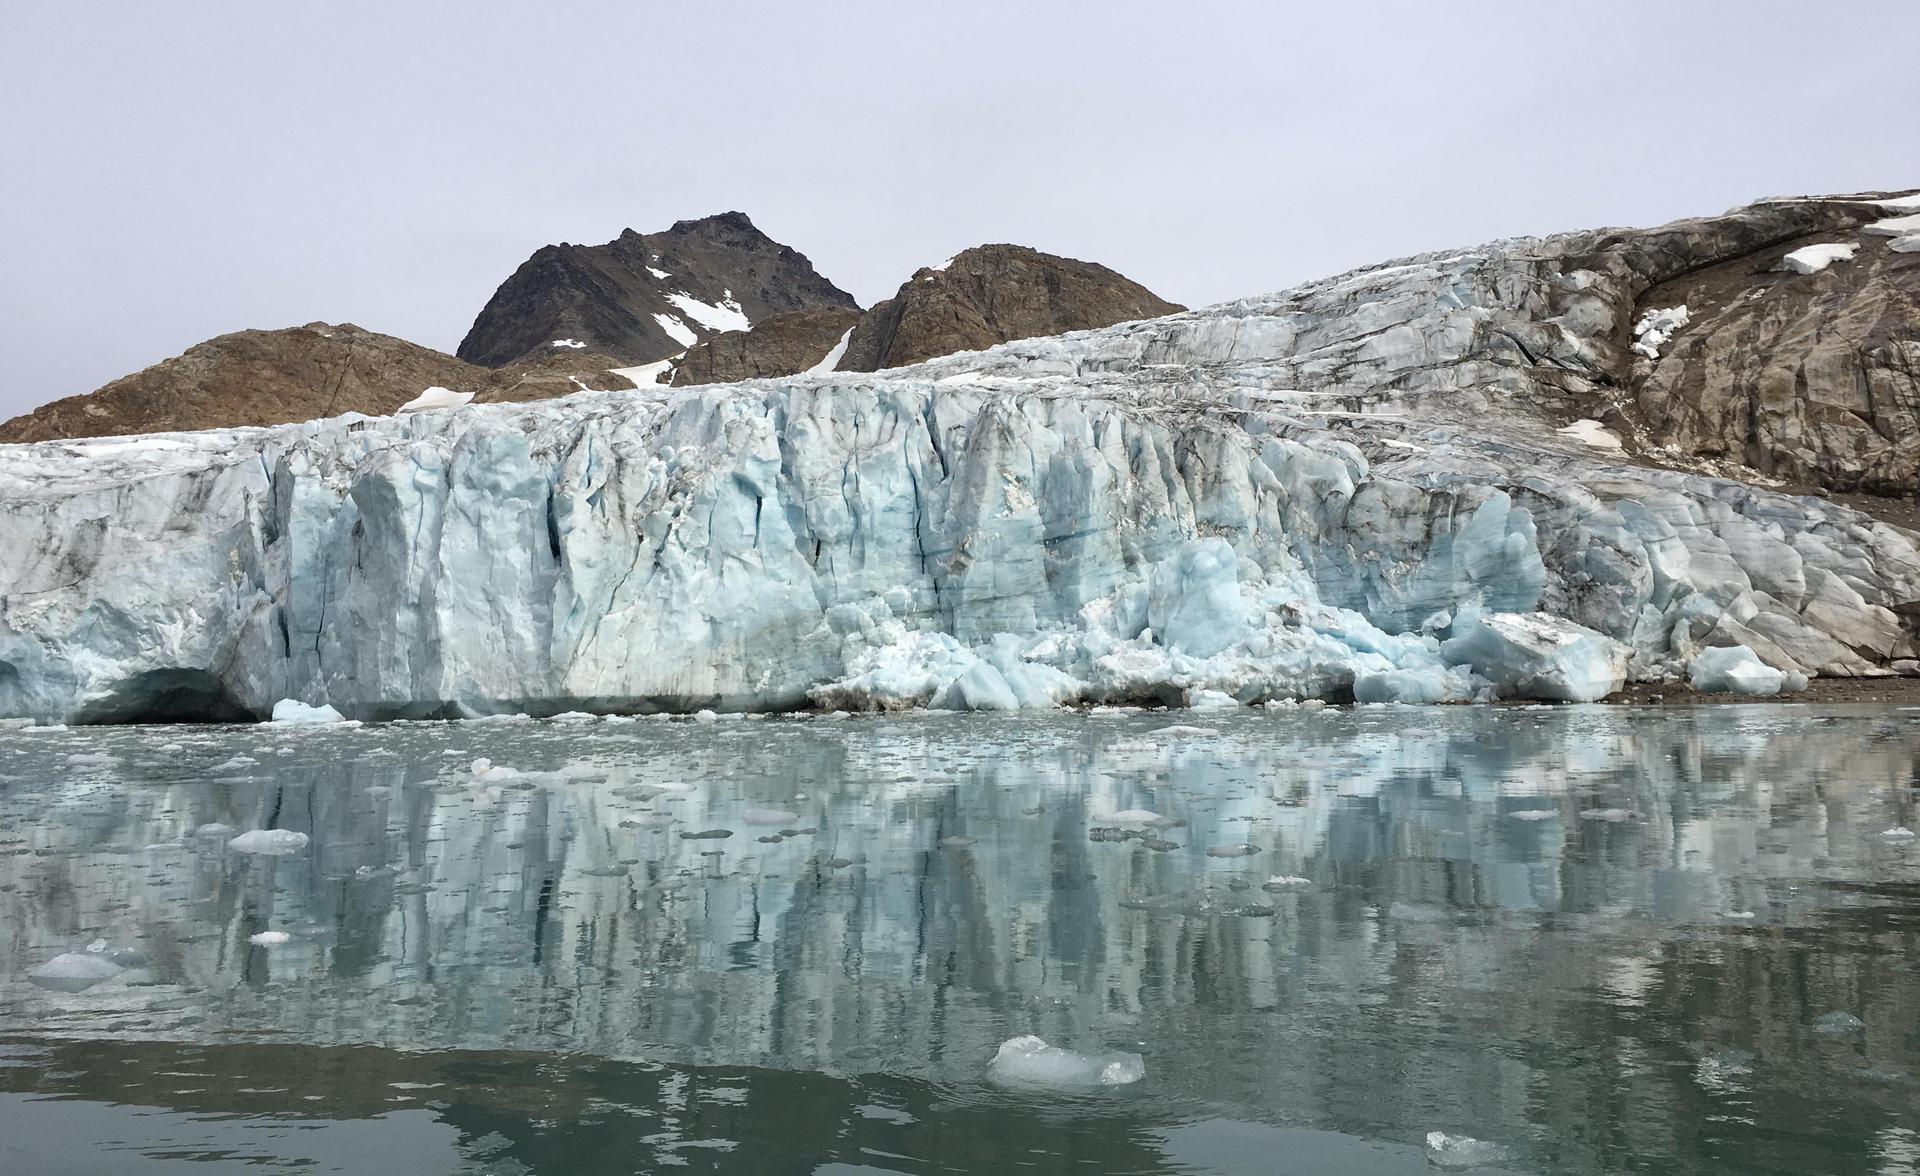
<point x="1897" y="833"/>
<point x="74" y="971"/>
<point x="1735" y="669"/>
<point x="1739" y="915"/>
<point x="1532" y="655"/>
<point x="1232" y="851"/>
<point x="215" y="829"/>
<point x="705" y="716"/>
<point x="1590" y="432"/>
<point x="1811" y="259"/>
<point x="269" y="842"/>
<point x="1534" y="814"/>
<point x="1459" y="1153"/>
<point x="1212" y="700"/>
<point x="1138" y="817"/>
<point x="1182" y="729"/>
<point x="290" y="710"/>
<point x="269" y="938"/>
<point x="1838" y="1022"/>
<point x="1655" y="328"/>
<point x="1030" y="1061"/>
<point x="1612" y="816"/>
<point x="434" y="398"/>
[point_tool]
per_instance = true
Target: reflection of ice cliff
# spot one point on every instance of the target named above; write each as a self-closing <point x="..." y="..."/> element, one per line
<point x="1309" y="493"/>
<point x="561" y="906"/>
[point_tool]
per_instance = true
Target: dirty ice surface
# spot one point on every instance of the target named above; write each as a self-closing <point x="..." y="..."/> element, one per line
<point x="1383" y="939"/>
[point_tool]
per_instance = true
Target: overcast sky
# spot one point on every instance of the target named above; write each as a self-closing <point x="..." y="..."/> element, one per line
<point x="172" y="171"/>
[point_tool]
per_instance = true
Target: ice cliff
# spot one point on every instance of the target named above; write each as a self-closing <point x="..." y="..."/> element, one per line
<point x="1355" y="487"/>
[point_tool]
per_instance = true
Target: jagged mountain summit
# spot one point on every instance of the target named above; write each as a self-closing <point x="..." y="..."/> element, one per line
<point x="298" y="374"/>
<point x="645" y="297"/>
<point x="1388" y="485"/>
<point x="993" y="294"/>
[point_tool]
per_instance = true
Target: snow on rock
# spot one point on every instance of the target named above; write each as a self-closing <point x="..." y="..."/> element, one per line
<point x="572" y="343"/>
<point x="1907" y="244"/>
<point x="663" y="275"/>
<point x="1592" y="433"/>
<point x="436" y="397"/>
<point x="833" y="357"/>
<point x="268" y="842"/>
<point x="1538" y="656"/>
<point x="648" y="375"/>
<point x="677" y="330"/>
<point x="1735" y="669"/>
<point x="720" y="317"/>
<point x="1136" y="515"/>
<point x="1898" y="226"/>
<point x="1030" y="1061"/>
<point x="289" y="710"/>
<point x="1655" y="327"/>
<point x="1811" y="259"/>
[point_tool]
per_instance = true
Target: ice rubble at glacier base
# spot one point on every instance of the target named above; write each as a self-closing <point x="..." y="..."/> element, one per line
<point x="1342" y="490"/>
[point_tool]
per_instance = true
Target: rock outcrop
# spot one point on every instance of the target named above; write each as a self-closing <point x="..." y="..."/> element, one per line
<point x="1352" y="488"/>
<point x="784" y="345"/>
<point x="1800" y="359"/>
<point x="992" y="294"/>
<point x="644" y="297"/>
<point x="297" y="374"/>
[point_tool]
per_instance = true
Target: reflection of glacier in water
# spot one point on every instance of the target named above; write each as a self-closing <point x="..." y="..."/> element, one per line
<point x="1598" y="936"/>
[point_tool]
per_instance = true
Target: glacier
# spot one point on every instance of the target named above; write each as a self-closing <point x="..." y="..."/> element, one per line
<point x="1351" y="489"/>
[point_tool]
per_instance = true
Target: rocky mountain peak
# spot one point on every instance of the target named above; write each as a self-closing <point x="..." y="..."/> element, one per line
<point x="646" y="297"/>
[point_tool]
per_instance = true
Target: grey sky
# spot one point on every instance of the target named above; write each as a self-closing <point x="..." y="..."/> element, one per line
<point x="172" y="171"/>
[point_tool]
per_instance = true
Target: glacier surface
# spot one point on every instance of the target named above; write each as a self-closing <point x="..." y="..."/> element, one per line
<point x="1352" y="488"/>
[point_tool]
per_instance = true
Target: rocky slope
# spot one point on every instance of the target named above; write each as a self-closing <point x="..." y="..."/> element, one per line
<point x="1800" y="359"/>
<point x="1354" y="488"/>
<point x="643" y="297"/>
<point x="297" y="374"/>
<point x="784" y="345"/>
<point x="991" y="294"/>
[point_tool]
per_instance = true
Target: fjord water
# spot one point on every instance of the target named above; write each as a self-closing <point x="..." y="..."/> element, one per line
<point x="1590" y="939"/>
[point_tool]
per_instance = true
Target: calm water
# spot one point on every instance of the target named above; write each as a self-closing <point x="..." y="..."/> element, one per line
<point x="1594" y="940"/>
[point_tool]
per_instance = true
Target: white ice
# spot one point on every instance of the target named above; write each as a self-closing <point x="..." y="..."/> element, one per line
<point x="573" y="343"/>
<point x="74" y="971"/>
<point x="269" y="938"/>
<point x="1030" y="1061"/>
<point x="1656" y="327"/>
<point x="268" y="842"/>
<point x="436" y="397"/>
<point x="1898" y="226"/>
<point x="722" y="318"/>
<point x="676" y="330"/>
<point x="1736" y="669"/>
<point x="1589" y="432"/>
<point x="833" y="357"/>
<point x="1811" y="259"/>
<point x="293" y="711"/>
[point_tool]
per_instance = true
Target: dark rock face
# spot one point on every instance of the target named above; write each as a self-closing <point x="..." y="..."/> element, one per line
<point x="780" y="346"/>
<point x="993" y="294"/>
<point x="1807" y="377"/>
<point x="296" y="374"/>
<point x="638" y="297"/>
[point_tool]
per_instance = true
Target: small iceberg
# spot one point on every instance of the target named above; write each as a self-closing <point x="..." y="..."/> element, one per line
<point x="292" y="711"/>
<point x="1030" y="1061"/>
<point x="269" y="842"/>
<point x="1459" y="1153"/>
